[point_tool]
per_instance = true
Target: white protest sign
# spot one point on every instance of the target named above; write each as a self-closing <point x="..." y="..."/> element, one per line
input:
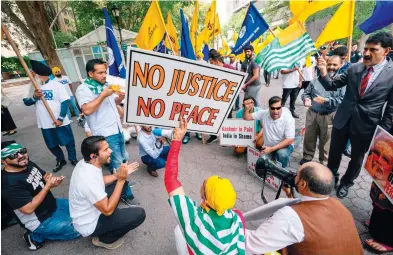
<point x="237" y="132"/>
<point x="252" y="157"/>
<point x="161" y="89"/>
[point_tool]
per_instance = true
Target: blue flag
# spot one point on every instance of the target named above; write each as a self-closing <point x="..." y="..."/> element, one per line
<point x="115" y="62"/>
<point x="186" y="46"/>
<point x="253" y="26"/>
<point x="205" y="52"/>
<point x="381" y="17"/>
<point x="161" y="46"/>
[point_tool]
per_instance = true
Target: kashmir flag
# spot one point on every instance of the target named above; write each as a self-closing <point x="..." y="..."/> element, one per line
<point x="186" y="46"/>
<point x="152" y="30"/>
<point x="269" y="38"/>
<point x="302" y="9"/>
<point x="253" y="26"/>
<point x="194" y="26"/>
<point x="340" y="25"/>
<point x="115" y="61"/>
<point x="381" y="17"/>
<point x="278" y="55"/>
<point x="171" y="35"/>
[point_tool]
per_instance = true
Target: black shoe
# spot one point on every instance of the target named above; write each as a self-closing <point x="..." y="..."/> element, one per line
<point x="186" y="139"/>
<point x="33" y="246"/>
<point x="132" y="201"/>
<point x="198" y="136"/>
<point x="342" y="191"/>
<point x="74" y="162"/>
<point x="211" y="139"/>
<point x="294" y="115"/>
<point x="59" y="165"/>
<point x="128" y="142"/>
<point x="303" y="161"/>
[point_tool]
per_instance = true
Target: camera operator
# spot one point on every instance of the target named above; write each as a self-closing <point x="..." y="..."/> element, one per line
<point x="278" y="129"/>
<point x="316" y="225"/>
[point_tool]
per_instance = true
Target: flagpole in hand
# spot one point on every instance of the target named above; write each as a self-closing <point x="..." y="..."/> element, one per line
<point x="23" y="63"/>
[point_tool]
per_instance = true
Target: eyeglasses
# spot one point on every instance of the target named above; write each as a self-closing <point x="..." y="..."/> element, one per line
<point x="275" y="108"/>
<point x="15" y="155"/>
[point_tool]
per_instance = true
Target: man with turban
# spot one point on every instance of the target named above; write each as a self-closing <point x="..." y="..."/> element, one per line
<point x="58" y="132"/>
<point x="211" y="228"/>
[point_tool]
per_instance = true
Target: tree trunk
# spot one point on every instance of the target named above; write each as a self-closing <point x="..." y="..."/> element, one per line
<point x="362" y="40"/>
<point x="33" y="12"/>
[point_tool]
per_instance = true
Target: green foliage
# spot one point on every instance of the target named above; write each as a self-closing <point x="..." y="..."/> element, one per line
<point x="234" y="24"/>
<point x="12" y="64"/>
<point x="61" y="38"/>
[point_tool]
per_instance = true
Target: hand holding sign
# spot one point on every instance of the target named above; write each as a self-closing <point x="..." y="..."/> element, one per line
<point x="178" y="133"/>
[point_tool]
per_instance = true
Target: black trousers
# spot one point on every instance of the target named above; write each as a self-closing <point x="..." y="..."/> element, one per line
<point x="267" y="76"/>
<point x="360" y="144"/>
<point x="7" y="123"/>
<point x="379" y="226"/>
<point x="305" y="84"/>
<point x="293" y="94"/>
<point x="111" y="228"/>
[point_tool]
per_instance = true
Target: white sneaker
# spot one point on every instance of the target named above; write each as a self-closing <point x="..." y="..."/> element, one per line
<point x="109" y="246"/>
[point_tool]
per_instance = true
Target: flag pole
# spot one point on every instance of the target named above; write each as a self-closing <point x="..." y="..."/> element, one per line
<point x="349" y="43"/>
<point x="23" y="63"/>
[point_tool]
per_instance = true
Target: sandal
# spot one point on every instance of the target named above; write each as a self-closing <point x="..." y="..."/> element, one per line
<point x="377" y="247"/>
<point x="13" y="133"/>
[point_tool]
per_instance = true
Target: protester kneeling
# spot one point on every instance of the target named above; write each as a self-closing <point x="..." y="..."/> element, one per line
<point x="151" y="148"/>
<point x="278" y="129"/>
<point x="25" y="189"/>
<point x="211" y="228"/>
<point x="258" y="141"/>
<point x="93" y="206"/>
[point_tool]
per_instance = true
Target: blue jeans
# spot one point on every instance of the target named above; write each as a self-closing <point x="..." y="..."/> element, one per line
<point x="119" y="154"/>
<point x="283" y="155"/>
<point x="58" y="226"/>
<point x="237" y="102"/>
<point x="74" y="107"/>
<point x="154" y="164"/>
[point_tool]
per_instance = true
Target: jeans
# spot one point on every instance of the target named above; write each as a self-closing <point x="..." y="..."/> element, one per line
<point x="111" y="228"/>
<point x="237" y="102"/>
<point x="290" y="92"/>
<point x="158" y="163"/>
<point x="74" y="107"/>
<point x="58" y="226"/>
<point x="283" y="155"/>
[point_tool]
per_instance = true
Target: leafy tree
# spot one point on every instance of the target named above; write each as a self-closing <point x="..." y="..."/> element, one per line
<point x="62" y="37"/>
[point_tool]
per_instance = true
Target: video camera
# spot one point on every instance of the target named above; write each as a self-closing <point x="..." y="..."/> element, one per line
<point x="265" y="167"/>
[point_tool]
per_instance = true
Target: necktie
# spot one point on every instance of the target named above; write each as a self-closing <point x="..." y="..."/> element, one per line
<point x="364" y="81"/>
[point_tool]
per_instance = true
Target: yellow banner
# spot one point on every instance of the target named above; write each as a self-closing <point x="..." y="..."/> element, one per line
<point x="302" y="9"/>
<point x="194" y="26"/>
<point x="171" y="35"/>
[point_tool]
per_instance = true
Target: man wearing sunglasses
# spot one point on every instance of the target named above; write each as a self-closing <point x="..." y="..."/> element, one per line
<point x="278" y="129"/>
<point x="25" y="189"/>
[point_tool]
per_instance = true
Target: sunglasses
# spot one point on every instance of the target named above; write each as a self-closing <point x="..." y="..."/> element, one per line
<point x="275" y="108"/>
<point x="15" y="155"/>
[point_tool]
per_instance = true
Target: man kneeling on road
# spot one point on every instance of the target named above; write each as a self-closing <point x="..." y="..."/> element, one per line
<point x="25" y="189"/>
<point x="93" y="206"/>
<point x="278" y="129"/>
<point x="318" y="224"/>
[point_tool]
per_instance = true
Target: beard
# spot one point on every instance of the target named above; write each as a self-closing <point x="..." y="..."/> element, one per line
<point x="332" y="74"/>
<point x="19" y="165"/>
<point x="58" y="75"/>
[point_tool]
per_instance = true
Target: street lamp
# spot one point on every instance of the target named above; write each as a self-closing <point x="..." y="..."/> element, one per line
<point x="116" y="14"/>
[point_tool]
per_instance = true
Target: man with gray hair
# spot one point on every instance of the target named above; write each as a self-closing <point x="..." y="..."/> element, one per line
<point x="310" y="226"/>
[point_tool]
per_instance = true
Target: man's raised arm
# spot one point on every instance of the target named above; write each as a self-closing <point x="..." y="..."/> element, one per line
<point x="329" y="84"/>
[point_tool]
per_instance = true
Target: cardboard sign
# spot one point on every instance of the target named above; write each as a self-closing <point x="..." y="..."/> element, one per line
<point x="252" y="157"/>
<point x="378" y="161"/>
<point x="237" y="132"/>
<point x="161" y="89"/>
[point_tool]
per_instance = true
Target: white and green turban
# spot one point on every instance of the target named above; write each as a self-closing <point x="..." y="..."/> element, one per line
<point x="10" y="149"/>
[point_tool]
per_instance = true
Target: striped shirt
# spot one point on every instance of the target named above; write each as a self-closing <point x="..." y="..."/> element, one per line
<point x="205" y="232"/>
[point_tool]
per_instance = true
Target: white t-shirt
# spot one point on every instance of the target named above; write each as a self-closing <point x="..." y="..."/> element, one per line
<point x="65" y="81"/>
<point x="106" y="120"/>
<point x="308" y="71"/>
<point x="86" y="188"/>
<point x="275" y="131"/>
<point x="54" y="94"/>
<point x="291" y="80"/>
<point x="236" y="65"/>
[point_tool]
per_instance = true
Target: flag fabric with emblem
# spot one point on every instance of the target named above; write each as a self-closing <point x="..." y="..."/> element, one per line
<point x="302" y="9"/>
<point x="115" y="62"/>
<point x="212" y="23"/>
<point x="253" y="26"/>
<point x="284" y="56"/>
<point x="152" y="30"/>
<point x="171" y="35"/>
<point x="194" y="27"/>
<point x="382" y="16"/>
<point x="186" y="46"/>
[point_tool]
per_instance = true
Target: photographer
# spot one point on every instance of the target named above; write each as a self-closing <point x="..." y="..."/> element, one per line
<point x="316" y="225"/>
<point x="278" y="129"/>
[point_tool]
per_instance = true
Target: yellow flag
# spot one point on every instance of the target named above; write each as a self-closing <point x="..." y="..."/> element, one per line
<point x="194" y="26"/>
<point x="225" y="47"/>
<point x="210" y="13"/>
<point x="291" y="33"/>
<point x="171" y="35"/>
<point x="340" y="25"/>
<point x="269" y="38"/>
<point x="302" y="9"/>
<point x="235" y="36"/>
<point x="212" y="22"/>
<point x="308" y="61"/>
<point x="152" y="30"/>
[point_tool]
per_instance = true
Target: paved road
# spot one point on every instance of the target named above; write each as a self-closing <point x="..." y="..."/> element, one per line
<point x="197" y="162"/>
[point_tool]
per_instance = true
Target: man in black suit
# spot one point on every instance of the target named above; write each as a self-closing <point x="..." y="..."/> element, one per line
<point x="369" y="87"/>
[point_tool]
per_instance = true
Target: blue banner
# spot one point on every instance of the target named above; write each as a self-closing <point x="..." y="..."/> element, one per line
<point x="186" y="46"/>
<point x="381" y="17"/>
<point x="115" y="62"/>
<point x="205" y="52"/>
<point x="253" y="26"/>
<point x="161" y="46"/>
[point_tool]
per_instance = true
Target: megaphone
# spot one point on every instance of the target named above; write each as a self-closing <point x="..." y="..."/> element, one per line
<point x="265" y="167"/>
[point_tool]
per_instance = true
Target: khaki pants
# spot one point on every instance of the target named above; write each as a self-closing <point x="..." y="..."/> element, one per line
<point x="317" y="126"/>
<point x="239" y="150"/>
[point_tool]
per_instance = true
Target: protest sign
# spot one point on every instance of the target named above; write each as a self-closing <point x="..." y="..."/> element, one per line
<point x="252" y="157"/>
<point x="237" y="132"/>
<point x="379" y="161"/>
<point x="161" y="89"/>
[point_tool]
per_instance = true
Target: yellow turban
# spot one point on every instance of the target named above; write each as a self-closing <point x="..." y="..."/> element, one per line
<point x="200" y="54"/>
<point x="55" y="69"/>
<point x="232" y="56"/>
<point x="219" y="195"/>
